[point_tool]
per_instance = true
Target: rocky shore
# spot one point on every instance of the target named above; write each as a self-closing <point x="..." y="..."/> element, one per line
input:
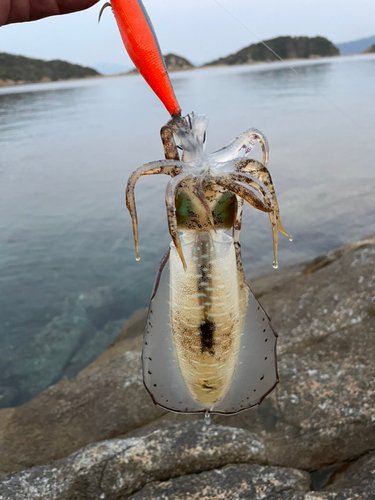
<point x="99" y="436"/>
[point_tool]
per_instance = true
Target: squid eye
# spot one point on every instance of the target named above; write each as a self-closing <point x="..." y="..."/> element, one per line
<point x="184" y="208"/>
<point x="225" y="210"/>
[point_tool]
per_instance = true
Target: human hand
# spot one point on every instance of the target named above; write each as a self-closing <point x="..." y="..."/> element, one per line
<point x="18" y="11"/>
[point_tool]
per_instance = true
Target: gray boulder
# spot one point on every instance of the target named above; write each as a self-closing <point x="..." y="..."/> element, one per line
<point x="117" y="468"/>
<point x="360" y="472"/>
<point x="232" y="482"/>
<point x="322" y="412"/>
<point x="97" y="404"/>
<point x="189" y="461"/>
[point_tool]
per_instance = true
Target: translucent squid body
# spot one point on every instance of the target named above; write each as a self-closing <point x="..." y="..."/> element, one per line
<point x="208" y="346"/>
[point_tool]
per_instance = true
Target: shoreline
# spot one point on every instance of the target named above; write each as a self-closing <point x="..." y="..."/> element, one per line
<point x="13" y="83"/>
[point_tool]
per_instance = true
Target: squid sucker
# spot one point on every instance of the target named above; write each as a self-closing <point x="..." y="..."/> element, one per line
<point x="208" y="346"/>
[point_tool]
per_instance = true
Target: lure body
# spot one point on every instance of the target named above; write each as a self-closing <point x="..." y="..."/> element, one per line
<point x="143" y="48"/>
<point x="209" y="346"/>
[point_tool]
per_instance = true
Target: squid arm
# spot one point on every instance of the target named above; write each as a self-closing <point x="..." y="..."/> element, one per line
<point x="168" y="167"/>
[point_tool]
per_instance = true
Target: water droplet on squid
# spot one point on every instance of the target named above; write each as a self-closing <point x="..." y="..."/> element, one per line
<point x="207" y="418"/>
<point x="275" y="264"/>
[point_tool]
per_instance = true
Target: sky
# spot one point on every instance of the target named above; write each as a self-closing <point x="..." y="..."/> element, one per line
<point x="200" y="30"/>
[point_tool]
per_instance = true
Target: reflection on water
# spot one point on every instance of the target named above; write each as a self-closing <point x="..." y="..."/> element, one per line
<point x="67" y="148"/>
<point x="286" y="79"/>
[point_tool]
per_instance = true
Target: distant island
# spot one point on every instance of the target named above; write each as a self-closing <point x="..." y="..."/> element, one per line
<point x="16" y="70"/>
<point x="287" y="47"/>
<point x="355" y="46"/>
<point x="369" y="50"/>
<point x="177" y="63"/>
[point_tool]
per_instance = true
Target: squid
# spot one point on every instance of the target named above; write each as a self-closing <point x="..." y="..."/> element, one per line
<point x="209" y="346"/>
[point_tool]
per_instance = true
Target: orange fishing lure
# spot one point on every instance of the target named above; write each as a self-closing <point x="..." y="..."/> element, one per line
<point x="142" y="46"/>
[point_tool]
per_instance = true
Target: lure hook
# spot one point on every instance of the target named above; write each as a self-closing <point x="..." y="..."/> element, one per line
<point x="107" y="4"/>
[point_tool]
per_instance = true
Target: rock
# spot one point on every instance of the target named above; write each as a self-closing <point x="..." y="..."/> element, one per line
<point x="358" y="474"/>
<point x="347" y="494"/>
<point x="321" y="414"/>
<point x="104" y="403"/>
<point x="334" y="297"/>
<point x="117" y="468"/>
<point x="263" y="283"/>
<point x="323" y="410"/>
<point x="232" y="482"/>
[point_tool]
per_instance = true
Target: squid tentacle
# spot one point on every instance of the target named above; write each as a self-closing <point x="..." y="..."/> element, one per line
<point x="169" y="144"/>
<point x="255" y="134"/>
<point x="168" y="167"/>
<point x="244" y="141"/>
<point x="170" y="202"/>
<point x="238" y="221"/>
<point x="198" y="191"/>
<point x="246" y="179"/>
<point x="243" y="192"/>
<point x="259" y="171"/>
<point x="275" y="236"/>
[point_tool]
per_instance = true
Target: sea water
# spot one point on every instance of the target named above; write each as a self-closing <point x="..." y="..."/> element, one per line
<point x="67" y="149"/>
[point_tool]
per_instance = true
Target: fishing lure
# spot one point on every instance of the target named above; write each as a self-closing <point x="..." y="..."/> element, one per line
<point x="208" y="346"/>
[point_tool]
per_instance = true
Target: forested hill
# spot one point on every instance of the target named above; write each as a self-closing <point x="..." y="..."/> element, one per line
<point x="369" y="50"/>
<point x="19" y="69"/>
<point x="287" y="47"/>
<point x="177" y="63"/>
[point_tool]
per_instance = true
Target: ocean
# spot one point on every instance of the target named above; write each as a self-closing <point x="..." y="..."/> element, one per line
<point x="67" y="149"/>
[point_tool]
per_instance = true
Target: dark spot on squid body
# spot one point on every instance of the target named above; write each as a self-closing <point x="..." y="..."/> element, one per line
<point x="207" y="329"/>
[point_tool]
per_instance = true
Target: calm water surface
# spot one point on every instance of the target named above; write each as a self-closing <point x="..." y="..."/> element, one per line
<point x="66" y="150"/>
